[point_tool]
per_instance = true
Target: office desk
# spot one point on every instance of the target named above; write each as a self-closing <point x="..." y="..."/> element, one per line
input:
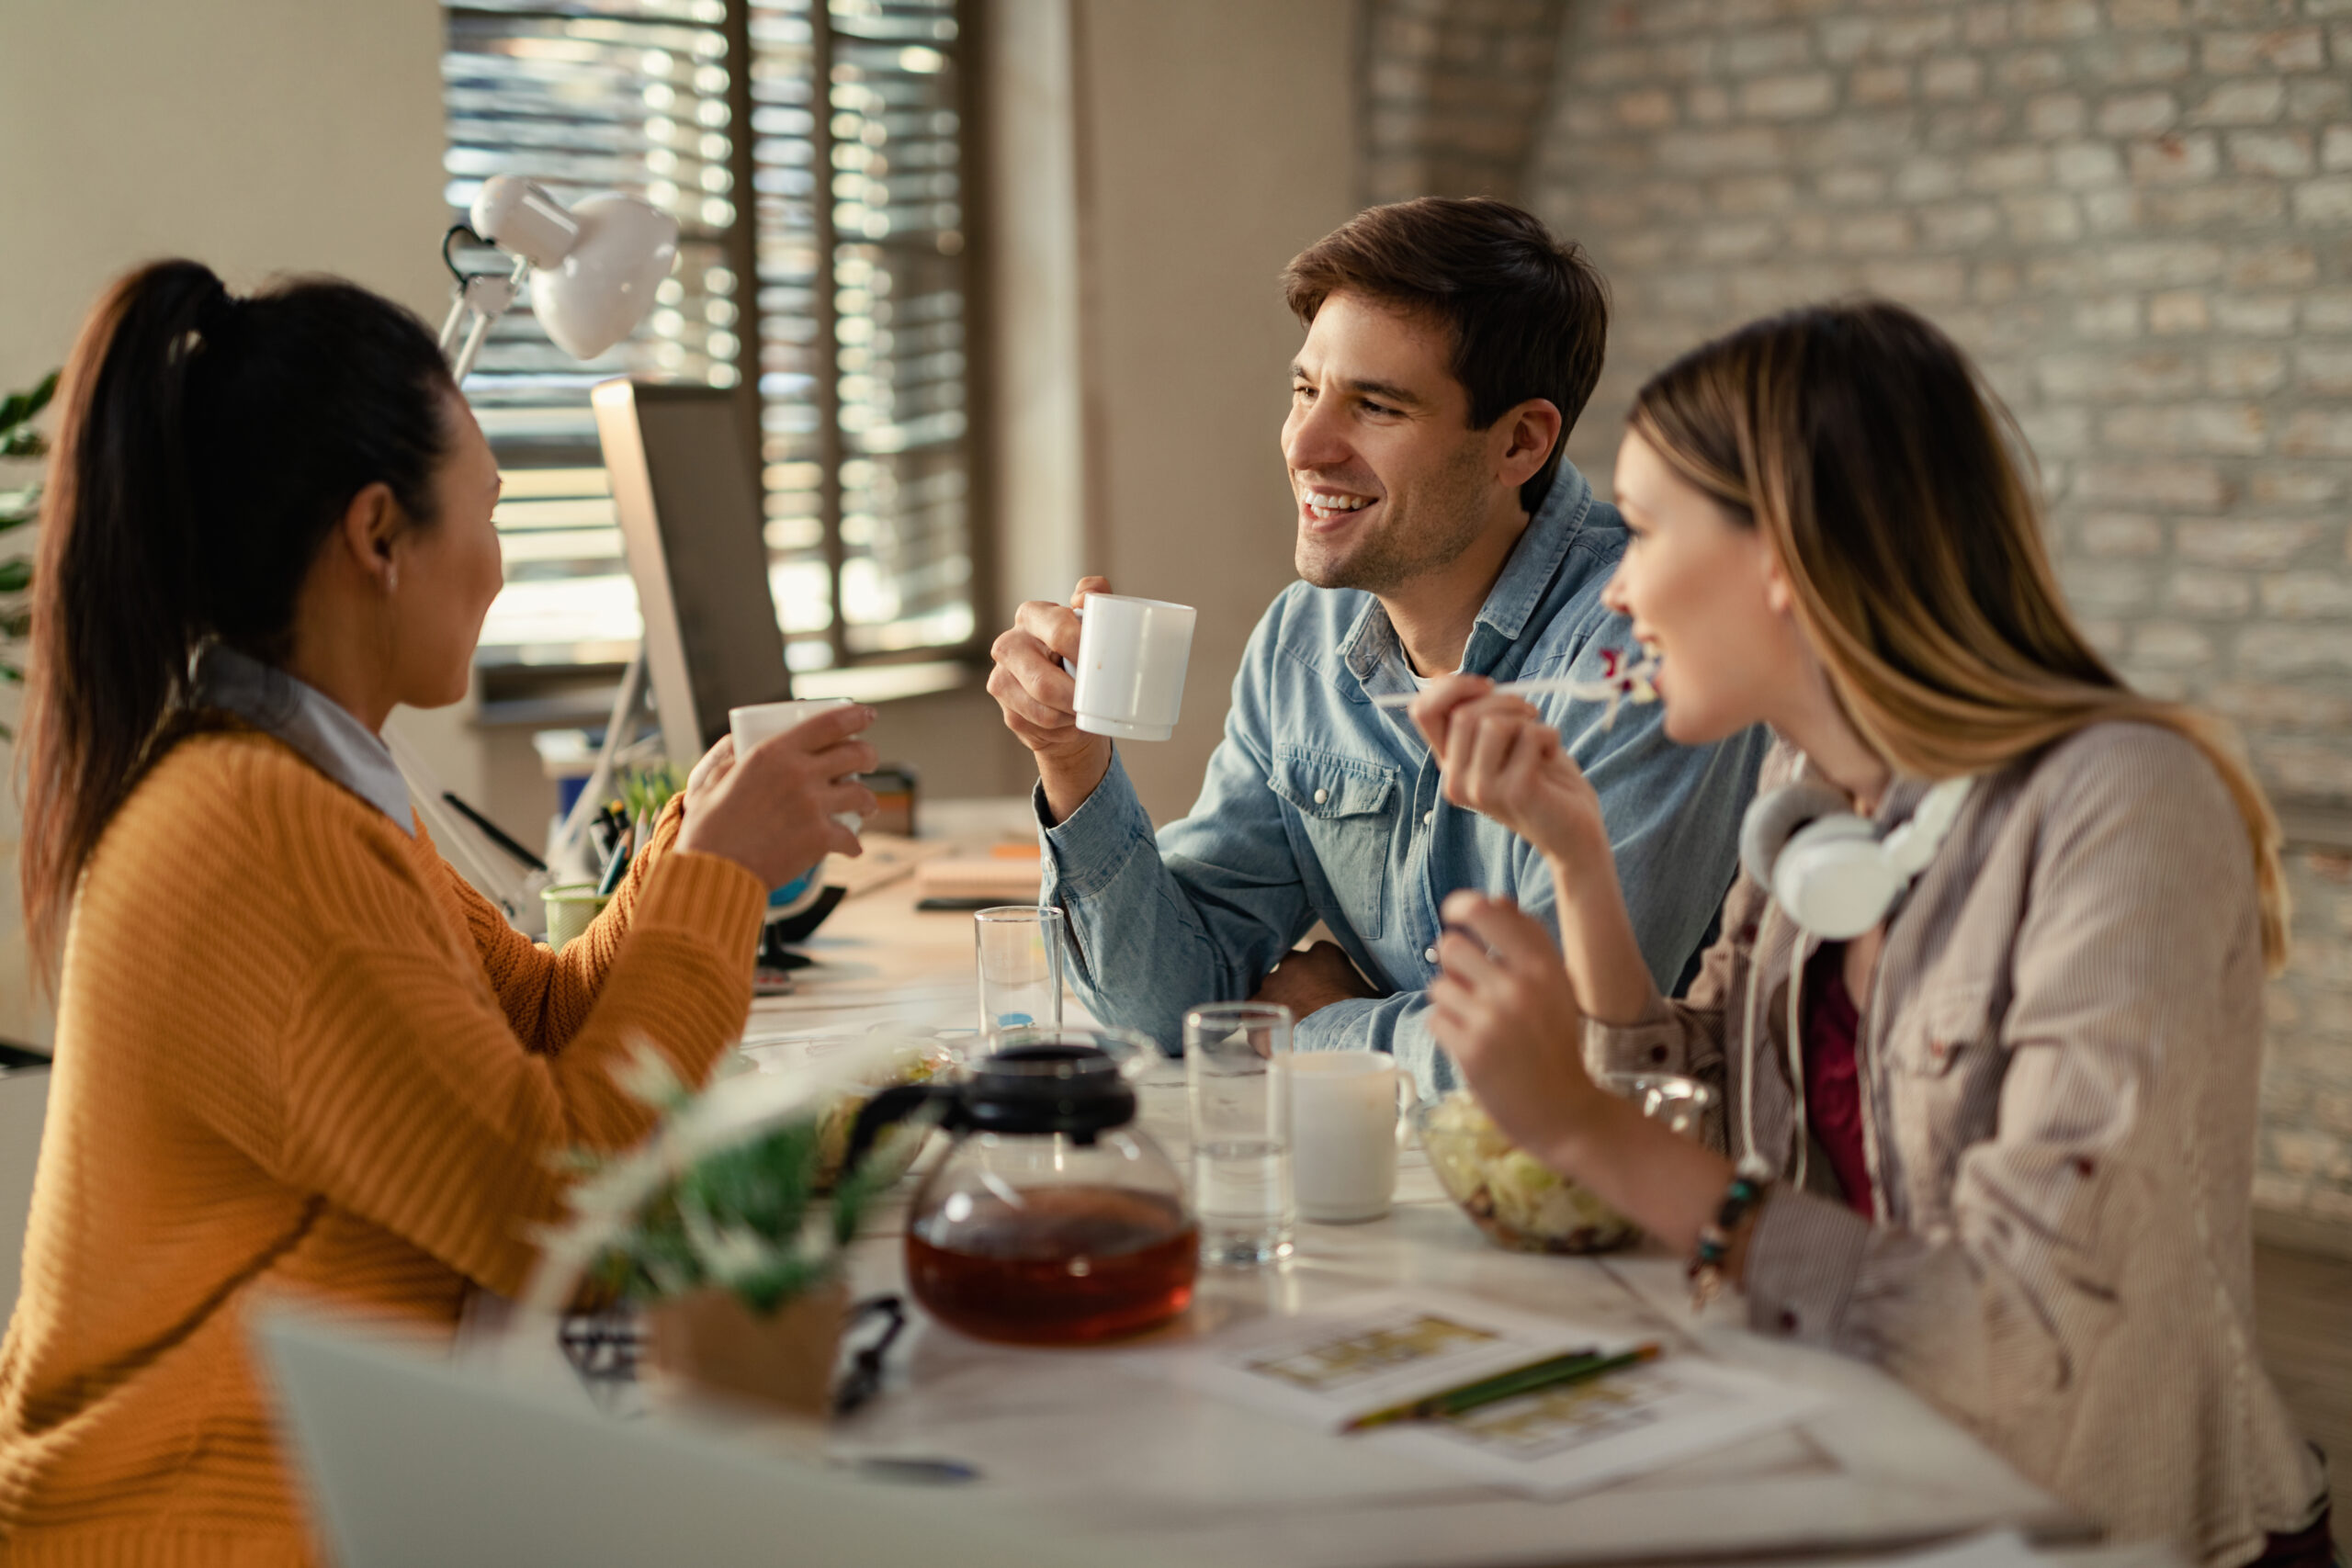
<point x="1212" y="1482"/>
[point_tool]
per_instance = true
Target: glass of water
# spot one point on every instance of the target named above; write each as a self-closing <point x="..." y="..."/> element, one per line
<point x="1241" y="1156"/>
<point x="1020" y="953"/>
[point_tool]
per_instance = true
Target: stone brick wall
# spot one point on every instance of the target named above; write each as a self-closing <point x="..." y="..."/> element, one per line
<point x="2136" y="213"/>
<point x="1455" y="94"/>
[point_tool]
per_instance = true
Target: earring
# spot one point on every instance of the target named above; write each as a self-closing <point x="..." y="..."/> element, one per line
<point x="391" y="579"/>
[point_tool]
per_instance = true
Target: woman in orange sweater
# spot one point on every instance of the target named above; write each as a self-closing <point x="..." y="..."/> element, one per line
<point x="296" y="1052"/>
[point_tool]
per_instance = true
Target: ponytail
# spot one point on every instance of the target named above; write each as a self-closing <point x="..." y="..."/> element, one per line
<point x="207" y="448"/>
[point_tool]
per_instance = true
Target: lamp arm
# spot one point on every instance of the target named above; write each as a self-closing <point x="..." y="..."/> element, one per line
<point x="600" y="778"/>
<point x="463" y="365"/>
<point x="487" y="297"/>
<point x="456" y="320"/>
<point x="458" y="302"/>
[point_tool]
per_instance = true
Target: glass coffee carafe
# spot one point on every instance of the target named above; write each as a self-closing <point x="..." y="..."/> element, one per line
<point x="1053" y="1219"/>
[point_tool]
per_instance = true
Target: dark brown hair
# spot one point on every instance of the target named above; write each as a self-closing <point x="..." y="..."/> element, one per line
<point x="207" y="446"/>
<point x="1529" y="314"/>
<point x="1892" y="484"/>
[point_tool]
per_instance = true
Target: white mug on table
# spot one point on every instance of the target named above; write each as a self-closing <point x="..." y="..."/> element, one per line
<point x="763" y="721"/>
<point x="1344" y="1110"/>
<point x="1130" y="669"/>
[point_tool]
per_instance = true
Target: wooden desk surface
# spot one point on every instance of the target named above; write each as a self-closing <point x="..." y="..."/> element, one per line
<point x="1207" y="1481"/>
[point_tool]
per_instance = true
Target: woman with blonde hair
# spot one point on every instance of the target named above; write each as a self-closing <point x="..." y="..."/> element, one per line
<point x="1986" y="1011"/>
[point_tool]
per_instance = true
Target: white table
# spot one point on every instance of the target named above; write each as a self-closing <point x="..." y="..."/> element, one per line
<point x="1876" y="1468"/>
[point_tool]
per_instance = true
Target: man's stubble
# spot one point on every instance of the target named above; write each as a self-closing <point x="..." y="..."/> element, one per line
<point x="1443" y="522"/>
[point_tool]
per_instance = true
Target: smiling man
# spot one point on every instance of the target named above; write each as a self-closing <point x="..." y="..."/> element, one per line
<point x="1449" y="345"/>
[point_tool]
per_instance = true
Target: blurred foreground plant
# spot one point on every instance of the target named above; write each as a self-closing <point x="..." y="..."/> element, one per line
<point x="726" y="1194"/>
<point x="19" y="509"/>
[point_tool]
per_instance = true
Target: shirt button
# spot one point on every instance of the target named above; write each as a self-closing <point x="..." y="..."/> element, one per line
<point x="1429" y="953"/>
<point x="1321" y="795"/>
<point x="1427" y="817"/>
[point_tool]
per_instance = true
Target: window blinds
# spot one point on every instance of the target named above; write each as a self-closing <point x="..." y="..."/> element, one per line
<point x="854" y="228"/>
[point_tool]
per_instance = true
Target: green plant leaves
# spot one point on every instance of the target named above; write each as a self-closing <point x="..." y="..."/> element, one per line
<point x="645" y="791"/>
<point x="19" y="509"/>
<point x="740" y="1219"/>
<point x="19" y="407"/>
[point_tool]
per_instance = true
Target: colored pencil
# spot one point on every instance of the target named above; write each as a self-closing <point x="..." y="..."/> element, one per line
<point x="1575" y="1366"/>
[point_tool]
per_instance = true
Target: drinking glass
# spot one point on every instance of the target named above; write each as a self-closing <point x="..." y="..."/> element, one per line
<point x="1020" y="957"/>
<point x="1241" y="1151"/>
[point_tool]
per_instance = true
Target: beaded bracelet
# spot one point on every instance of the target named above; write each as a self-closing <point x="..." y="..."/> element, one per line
<point x="1706" y="1270"/>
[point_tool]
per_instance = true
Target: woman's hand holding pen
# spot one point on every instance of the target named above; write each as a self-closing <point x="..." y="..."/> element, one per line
<point x="771" y="810"/>
<point x="1501" y="758"/>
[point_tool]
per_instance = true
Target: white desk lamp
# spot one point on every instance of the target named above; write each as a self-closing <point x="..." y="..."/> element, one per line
<point x="593" y="269"/>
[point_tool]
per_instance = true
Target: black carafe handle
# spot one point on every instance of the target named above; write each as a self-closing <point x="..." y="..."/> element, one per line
<point x="895" y="1104"/>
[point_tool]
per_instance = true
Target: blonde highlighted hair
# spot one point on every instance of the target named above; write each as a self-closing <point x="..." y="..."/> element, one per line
<point x="1891" y="485"/>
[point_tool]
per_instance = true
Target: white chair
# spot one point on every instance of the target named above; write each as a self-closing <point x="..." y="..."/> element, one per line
<point x="24" y="1101"/>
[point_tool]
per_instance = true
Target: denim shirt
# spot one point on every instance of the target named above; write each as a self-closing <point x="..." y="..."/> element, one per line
<point x="1319" y="806"/>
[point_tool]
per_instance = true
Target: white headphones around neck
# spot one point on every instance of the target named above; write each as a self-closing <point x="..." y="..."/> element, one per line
<point x="1826" y="868"/>
<point x="1834" y="877"/>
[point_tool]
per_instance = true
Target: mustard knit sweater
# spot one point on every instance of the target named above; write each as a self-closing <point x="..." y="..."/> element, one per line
<point x="296" y="1052"/>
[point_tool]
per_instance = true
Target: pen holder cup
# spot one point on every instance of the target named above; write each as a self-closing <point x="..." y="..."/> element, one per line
<point x="571" y="909"/>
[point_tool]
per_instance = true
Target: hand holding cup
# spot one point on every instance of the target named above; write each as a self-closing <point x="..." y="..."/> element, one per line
<point x="1033" y="684"/>
<point x="772" y="808"/>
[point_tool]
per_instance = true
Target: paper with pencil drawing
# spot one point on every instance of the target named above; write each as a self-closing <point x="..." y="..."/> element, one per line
<point x="1326" y="1368"/>
<point x="1572" y="1438"/>
<point x="1369" y="1352"/>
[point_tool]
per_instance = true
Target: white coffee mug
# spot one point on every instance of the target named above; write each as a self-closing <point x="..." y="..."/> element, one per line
<point x="1343" y="1118"/>
<point x="761" y="721"/>
<point x="1130" y="671"/>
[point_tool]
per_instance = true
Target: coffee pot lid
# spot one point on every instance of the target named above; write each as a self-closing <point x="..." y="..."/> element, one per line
<point x="1046" y="1089"/>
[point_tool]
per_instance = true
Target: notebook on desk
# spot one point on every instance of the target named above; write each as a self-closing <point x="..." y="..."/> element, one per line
<point x="1009" y="874"/>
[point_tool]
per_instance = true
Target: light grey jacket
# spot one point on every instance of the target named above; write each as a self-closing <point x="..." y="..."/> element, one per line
<point x="2059" y="1063"/>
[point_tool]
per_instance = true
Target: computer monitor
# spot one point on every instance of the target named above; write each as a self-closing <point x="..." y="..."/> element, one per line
<point x="686" y="486"/>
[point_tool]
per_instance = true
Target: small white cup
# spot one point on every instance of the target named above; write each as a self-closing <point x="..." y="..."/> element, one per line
<point x="1343" y="1117"/>
<point x="761" y="721"/>
<point x="1130" y="671"/>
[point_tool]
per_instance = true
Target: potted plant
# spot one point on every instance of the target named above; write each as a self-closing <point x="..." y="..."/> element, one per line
<point x="716" y="1230"/>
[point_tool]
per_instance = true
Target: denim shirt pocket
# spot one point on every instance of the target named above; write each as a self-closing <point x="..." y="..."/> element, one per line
<point x="1346" y="810"/>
